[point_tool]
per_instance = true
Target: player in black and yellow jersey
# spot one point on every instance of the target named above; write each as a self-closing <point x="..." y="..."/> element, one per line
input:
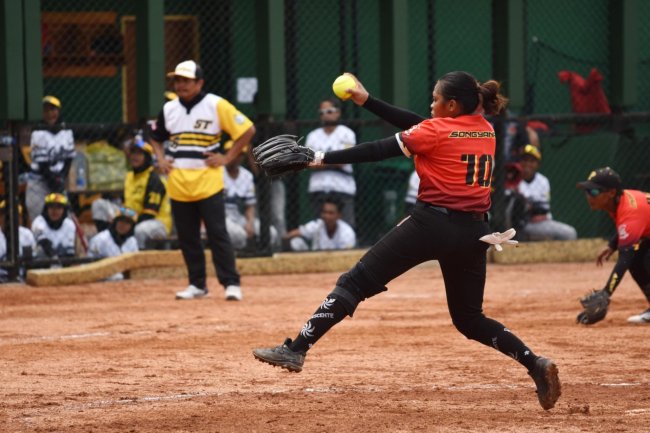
<point x="193" y="125"/>
<point x="145" y="192"/>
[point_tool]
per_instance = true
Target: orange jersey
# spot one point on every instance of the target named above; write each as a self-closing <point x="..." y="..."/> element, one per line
<point x="454" y="158"/>
<point x="632" y="217"/>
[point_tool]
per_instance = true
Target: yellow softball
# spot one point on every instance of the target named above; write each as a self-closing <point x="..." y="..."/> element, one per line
<point x="342" y="84"/>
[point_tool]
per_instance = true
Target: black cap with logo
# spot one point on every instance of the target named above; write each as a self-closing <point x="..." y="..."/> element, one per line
<point x="602" y="178"/>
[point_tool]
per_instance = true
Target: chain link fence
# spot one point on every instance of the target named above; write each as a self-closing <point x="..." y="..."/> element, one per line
<point x="89" y="60"/>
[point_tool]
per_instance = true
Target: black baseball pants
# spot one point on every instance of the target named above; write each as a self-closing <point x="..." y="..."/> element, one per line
<point x="187" y="218"/>
<point x="452" y="238"/>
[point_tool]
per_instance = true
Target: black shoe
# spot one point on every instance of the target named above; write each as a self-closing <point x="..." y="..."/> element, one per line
<point x="545" y="375"/>
<point x="282" y="356"/>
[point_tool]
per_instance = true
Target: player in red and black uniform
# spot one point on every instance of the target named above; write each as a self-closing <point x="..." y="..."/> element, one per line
<point x="454" y="157"/>
<point x="630" y="210"/>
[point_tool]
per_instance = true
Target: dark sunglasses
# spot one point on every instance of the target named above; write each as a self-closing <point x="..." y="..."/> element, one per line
<point x="328" y="111"/>
<point x="594" y="192"/>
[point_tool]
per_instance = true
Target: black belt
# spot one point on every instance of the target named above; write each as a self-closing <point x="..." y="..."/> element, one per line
<point x="477" y="216"/>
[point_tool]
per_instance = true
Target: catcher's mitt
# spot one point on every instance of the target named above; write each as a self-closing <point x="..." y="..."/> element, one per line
<point x="595" y="304"/>
<point x="282" y="154"/>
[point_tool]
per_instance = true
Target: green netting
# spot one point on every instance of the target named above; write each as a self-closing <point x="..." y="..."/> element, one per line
<point x="89" y="62"/>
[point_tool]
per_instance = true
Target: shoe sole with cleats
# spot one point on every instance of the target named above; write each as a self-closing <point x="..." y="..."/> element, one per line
<point x="552" y="385"/>
<point x="287" y="365"/>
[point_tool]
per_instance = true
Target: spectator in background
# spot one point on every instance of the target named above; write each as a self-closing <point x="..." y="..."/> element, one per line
<point x="536" y="189"/>
<point x="26" y="239"/>
<point x="272" y="190"/>
<point x="240" y="201"/>
<point x="117" y="239"/>
<point x="332" y="179"/>
<point x="145" y="192"/>
<point x="329" y="232"/>
<point x="411" y="192"/>
<point x="517" y="135"/>
<point x="52" y="152"/>
<point x="239" y="186"/>
<point x="54" y="231"/>
<point x="516" y="206"/>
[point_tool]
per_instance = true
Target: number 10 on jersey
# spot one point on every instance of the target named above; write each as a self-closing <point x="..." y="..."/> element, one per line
<point x="479" y="169"/>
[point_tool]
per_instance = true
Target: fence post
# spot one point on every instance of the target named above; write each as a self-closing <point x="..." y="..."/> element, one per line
<point x="12" y="78"/>
<point x="508" y="49"/>
<point x="33" y="61"/>
<point x="624" y="24"/>
<point x="270" y="34"/>
<point x="9" y="157"/>
<point x="394" y="22"/>
<point x="150" y="48"/>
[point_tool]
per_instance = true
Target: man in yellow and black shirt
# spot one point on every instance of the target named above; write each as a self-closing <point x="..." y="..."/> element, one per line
<point x="193" y="124"/>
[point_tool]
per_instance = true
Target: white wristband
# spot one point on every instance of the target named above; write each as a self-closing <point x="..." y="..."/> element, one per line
<point x="318" y="158"/>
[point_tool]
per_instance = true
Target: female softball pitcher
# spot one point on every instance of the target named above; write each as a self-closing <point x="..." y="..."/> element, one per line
<point x="454" y="157"/>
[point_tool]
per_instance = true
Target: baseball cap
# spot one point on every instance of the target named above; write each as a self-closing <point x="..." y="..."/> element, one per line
<point x="533" y="151"/>
<point x="52" y="100"/>
<point x="126" y="214"/>
<point x="139" y="143"/>
<point x="602" y="178"/>
<point x="187" y="69"/>
<point x="56" y="198"/>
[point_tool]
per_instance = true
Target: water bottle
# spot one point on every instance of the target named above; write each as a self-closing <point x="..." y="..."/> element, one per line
<point x="81" y="179"/>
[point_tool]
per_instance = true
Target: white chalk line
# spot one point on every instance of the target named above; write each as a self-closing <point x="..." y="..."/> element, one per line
<point x="81" y="336"/>
<point x="66" y="337"/>
<point x="636" y="411"/>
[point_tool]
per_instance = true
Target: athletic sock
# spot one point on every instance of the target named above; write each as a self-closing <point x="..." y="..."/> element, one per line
<point x="497" y="336"/>
<point x="330" y="312"/>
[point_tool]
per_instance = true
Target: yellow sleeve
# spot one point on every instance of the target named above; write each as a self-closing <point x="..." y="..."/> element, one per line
<point x="232" y="120"/>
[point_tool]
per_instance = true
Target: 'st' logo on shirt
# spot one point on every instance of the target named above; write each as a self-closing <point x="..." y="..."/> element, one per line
<point x="202" y="124"/>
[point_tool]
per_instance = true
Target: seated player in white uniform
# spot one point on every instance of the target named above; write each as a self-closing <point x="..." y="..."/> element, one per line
<point x="54" y="231"/>
<point x="240" y="204"/>
<point x="25" y="239"/>
<point x="536" y="189"/>
<point x="117" y="239"/>
<point x="329" y="232"/>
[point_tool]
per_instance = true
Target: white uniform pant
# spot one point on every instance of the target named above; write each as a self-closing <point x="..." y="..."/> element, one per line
<point x="549" y="230"/>
<point x="35" y="194"/>
<point x="239" y="237"/>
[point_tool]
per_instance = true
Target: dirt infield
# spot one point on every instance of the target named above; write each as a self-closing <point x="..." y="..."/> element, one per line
<point x="127" y="357"/>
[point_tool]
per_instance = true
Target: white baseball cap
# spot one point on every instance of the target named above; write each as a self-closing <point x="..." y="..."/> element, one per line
<point x="187" y="69"/>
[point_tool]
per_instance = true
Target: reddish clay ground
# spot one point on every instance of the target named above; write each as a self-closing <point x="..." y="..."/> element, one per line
<point x="127" y="357"/>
